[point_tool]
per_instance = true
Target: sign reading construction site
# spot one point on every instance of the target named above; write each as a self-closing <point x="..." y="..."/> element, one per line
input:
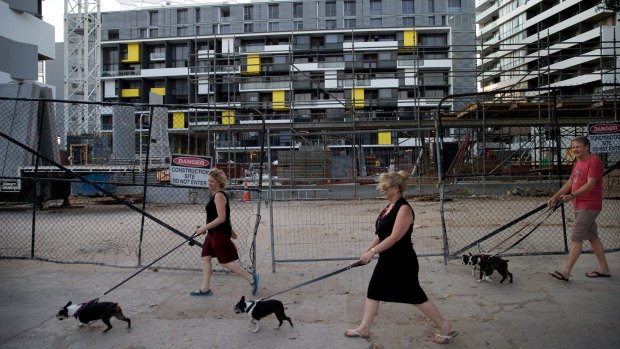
<point x="604" y="138"/>
<point x="190" y="170"/>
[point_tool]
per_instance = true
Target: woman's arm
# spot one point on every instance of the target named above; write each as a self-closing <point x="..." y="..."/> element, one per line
<point x="404" y="219"/>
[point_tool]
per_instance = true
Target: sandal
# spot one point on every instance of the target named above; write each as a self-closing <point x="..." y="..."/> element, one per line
<point x="200" y="292"/>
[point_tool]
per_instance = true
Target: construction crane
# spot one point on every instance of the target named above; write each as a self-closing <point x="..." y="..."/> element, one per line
<point x="82" y="39"/>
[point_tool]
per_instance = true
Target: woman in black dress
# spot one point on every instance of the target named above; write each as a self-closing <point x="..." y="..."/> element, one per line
<point x="392" y="242"/>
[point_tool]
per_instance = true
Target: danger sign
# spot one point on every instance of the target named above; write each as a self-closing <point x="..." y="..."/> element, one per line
<point x="604" y="138"/>
<point x="190" y="170"/>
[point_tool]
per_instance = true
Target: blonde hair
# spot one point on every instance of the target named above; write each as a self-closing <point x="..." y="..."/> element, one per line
<point x="395" y="179"/>
<point x="219" y="176"/>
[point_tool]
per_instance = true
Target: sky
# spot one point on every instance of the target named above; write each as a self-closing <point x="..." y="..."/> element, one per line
<point x="53" y="10"/>
<point x="53" y="13"/>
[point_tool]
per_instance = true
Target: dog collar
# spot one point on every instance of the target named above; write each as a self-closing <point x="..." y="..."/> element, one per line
<point x="252" y="305"/>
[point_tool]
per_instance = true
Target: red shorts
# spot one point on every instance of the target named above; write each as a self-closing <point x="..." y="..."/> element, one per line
<point x="219" y="245"/>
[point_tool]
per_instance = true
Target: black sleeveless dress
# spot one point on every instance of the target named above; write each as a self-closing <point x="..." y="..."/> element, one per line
<point x="212" y="214"/>
<point x="395" y="278"/>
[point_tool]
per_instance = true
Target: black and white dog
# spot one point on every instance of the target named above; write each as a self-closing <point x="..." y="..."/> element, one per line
<point x="258" y="309"/>
<point x="93" y="310"/>
<point x="486" y="264"/>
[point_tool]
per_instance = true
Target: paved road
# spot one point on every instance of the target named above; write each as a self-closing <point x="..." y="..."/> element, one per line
<point x="535" y="311"/>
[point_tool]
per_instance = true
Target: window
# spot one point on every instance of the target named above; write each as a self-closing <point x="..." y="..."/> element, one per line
<point x="349" y="8"/>
<point x="431" y="6"/>
<point x="153" y="18"/>
<point x="375" y="23"/>
<point x="298" y="25"/>
<point x="431" y="20"/>
<point x="349" y="23"/>
<point x="179" y="56"/>
<point x="182" y="31"/>
<point x="144" y="33"/>
<point x="197" y="12"/>
<point x="274" y="11"/>
<point x="454" y="6"/>
<point x="248" y="27"/>
<point x="330" y="9"/>
<point x="408" y="7"/>
<point x="330" y="24"/>
<point x="113" y="34"/>
<point x="433" y="39"/>
<point x="332" y="38"/>
<point x="376" y="7"/>
<point x="408" y="21"/>
<point x="153" y="33"/>
<point x="181" y="16"/>
<point x="274" y="26"/>
<point x="248" y="12"/>
<point x="298" y="10"/>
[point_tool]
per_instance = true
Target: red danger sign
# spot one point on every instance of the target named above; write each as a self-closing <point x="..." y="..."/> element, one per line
<point x="604" y="128"/>
<point x="604" y="138"/>
<point x="191" y="162"/>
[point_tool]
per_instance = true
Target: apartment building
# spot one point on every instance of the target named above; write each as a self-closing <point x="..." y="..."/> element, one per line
<point x="529" y="44"/>
<point x="312" y="64"/>
<point x="24" y="40"/>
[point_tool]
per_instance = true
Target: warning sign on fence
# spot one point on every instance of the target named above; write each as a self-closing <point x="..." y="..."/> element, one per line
<point x="604" y="138"/>
<point x="190" y="170"/>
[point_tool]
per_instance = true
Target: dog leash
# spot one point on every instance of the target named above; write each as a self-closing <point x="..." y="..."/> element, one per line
<point x="190" y="239"/>
<point x="356" y="264"/>
<point x="500" y="229"/>
<point x="549" y="213"/>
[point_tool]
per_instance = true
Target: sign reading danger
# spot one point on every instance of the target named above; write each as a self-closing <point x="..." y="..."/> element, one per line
<point x="190" y="170"/>
<point x="604" y="138"/>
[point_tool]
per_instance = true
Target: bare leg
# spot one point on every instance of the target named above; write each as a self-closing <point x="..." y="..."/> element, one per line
<point x="206" y="273"/>
<point x="371" y="309"/>
<point x="599" y="251"/>
<point x="429" y="309"/>
<point x="235" y="267"/>
<point x="573" y="255"/>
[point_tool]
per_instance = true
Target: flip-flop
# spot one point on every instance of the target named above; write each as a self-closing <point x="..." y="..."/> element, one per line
<point x="354" y="333"/>
<point x="556" y="274"/>
<point x="596" y="274"/>
<point x="444" y="339"/>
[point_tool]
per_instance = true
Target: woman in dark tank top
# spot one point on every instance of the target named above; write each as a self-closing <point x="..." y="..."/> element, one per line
<point x="219" y="232"/>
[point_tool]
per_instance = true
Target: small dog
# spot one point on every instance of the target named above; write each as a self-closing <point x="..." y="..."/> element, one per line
<point x="93" y="310"/>
<point x="486" y="264"/>
<point x="258" y="309"/>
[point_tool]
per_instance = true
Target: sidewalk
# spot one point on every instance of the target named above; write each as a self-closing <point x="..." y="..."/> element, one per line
<point x="536" y="311"/>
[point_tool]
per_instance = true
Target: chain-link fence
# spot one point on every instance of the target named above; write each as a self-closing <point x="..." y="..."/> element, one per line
<point x="102" y="197"/>
<point x="106" y="197"/>
<point x="518" y="154"/>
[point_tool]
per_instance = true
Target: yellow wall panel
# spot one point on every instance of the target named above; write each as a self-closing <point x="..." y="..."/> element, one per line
<point x="178" y="120"/>
<point x="358" y="98"/>
<point x="133" y="53"/>
<point x="130" y="92"/>
<point x="228" y="117"/>
<point x="385" y="137"/>
<point x="159" y="90"/>
<point x="411" y="38"/>
<point x="279" y="100"/>
<point x="253" y="65"/>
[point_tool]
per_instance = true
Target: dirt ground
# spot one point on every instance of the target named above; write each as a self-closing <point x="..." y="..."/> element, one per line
<point x="535" y="311"/>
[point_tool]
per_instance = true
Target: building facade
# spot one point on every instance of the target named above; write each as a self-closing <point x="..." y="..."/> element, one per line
<point x="529" y="44"/>
<point x="308" y="64"/>
<point x="24" y="40"/>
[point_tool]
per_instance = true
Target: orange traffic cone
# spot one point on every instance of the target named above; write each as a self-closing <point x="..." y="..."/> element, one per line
<point x="246" y="192"/>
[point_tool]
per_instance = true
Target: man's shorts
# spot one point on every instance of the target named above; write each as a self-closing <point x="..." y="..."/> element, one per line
<point x="584" y="227"/>
<point x="219" y="245"/>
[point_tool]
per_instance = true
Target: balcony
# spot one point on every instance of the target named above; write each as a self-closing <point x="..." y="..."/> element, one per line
<point x="158" y="56"/>
<point x="130" y="92"/>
